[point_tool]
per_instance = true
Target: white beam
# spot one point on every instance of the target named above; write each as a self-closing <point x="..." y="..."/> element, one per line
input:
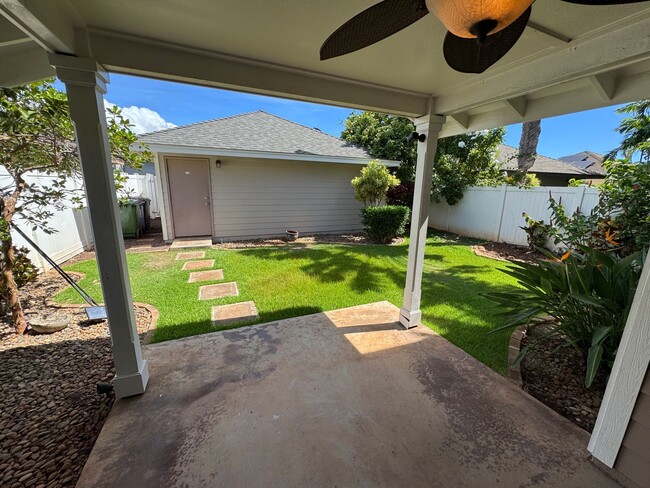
<point x="546" y="35"/>
<point x="24" y="64"/>
<point x="517" y="106"/>
<point x="461" y="118"/>
<point x="85" y="83"/>
<point x="604" y="84"/>
<point x="132" y="55"/>
<point x="626" y="379"/>
<point x="429" y="125"/>
<point x="50" y="24"/>
<point x="613" y="49"/>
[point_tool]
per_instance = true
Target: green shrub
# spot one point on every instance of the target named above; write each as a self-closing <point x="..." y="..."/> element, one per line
<point x="383" y="224"/>
<point x="589" y="294"/>
<point x="626" y="198"/>
<point x="537" y="232"/>
<point x="24" y="272"/>
<point x="371" y="185"/>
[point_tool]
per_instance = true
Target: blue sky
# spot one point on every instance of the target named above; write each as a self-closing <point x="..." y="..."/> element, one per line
<point x="181" y="104"/>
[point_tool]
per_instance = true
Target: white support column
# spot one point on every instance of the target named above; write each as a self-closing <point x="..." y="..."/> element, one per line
<point x="85" y="83"/>
<point x="626" y="379"/>
<point x="430" y="126"/>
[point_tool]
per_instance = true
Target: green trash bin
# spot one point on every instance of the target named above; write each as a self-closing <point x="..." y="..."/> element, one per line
<point x="130" y="219"/>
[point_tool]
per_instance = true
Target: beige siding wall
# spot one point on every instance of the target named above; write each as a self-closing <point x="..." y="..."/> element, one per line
<point x="263" y="197"/>
<point x="634" y="457"/>
<point x="257" y="197"/>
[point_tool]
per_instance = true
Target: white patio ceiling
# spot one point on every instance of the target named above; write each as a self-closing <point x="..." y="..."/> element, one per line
<point x="571" y="58"/>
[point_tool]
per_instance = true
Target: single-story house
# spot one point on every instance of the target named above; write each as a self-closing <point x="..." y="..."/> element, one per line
<point x="551" y="172"/>
<point x="255" y="175"/>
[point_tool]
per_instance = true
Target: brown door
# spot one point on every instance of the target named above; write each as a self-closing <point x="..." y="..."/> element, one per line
<point x="189" y="190"/>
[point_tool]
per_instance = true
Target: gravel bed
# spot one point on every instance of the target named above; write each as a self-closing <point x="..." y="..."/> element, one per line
<point x="558" y="381"/>
<point x="50" y="412"/>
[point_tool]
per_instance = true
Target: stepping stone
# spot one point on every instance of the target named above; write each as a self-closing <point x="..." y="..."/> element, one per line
<point x="186" y="243"/>
<point x="190" y="255"/>
<point x="210" y="292"/>
<point x="235" y="312"/>
<point x="191" y="265"/>
<point x="212" y="275"/>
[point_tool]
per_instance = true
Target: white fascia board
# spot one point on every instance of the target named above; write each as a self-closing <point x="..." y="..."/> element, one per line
<point x="128" y="54"/>
<point x="313" y="158"/>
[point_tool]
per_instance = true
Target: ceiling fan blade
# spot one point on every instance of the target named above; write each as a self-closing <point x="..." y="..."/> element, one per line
<point x="468" y="56"/>
<point x="603" y="2"/>
<point x="372" y="25"/>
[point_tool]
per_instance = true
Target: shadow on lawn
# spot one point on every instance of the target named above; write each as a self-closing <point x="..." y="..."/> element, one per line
<point x="457" y="285"/>
<point x="335" y="263"/>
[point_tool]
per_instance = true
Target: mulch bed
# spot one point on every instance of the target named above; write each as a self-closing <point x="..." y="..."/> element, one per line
<point x="557" y="380"/>
<point x="354" y="238"/>
<point x="508" y="252"/>
<point x="50" y="412"/>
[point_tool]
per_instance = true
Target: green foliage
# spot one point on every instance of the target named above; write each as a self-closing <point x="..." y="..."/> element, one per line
<point x="461" y="161"/>
<point x="626" y="198"/>
<point x="589" y="294"/>
<point x="384" y="136"/>
<point x="530" y="180"/>
<point x="574" y="183"/>
<point x="24" y="271"/>
<point x="383" y="224"/>
<point x="537" y="232"/>
<point x="370" y="187"/>
<point x="621" y="220"/>
<point x="635" y="130"/>
<point x="36" y="134"/>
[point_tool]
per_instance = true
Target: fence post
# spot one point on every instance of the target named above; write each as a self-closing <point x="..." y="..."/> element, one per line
<point x="582" y="197"/>
<point x="504" y="196"/>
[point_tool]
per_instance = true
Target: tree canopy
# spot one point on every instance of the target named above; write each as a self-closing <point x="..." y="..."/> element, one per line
<point x="461" y="161"/>
<point x="37" y="136"/>
<point x="635" y="130"/>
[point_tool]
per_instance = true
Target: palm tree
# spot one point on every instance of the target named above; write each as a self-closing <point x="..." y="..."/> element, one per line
<point x="530" y="132"/>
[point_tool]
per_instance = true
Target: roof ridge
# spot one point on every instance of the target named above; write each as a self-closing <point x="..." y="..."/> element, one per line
<point x="216" y="119"/>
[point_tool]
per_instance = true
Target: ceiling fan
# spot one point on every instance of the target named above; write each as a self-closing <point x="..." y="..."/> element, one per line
<point x="480" y="32"/>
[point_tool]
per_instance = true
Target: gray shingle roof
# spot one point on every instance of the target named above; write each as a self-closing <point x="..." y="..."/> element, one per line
<point x="508" y="160"/>
<point x="588" y="160"/>
<point x="256" y="131"/>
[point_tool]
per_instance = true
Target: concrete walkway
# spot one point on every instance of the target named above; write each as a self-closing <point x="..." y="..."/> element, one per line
<point x="345" y="398"/>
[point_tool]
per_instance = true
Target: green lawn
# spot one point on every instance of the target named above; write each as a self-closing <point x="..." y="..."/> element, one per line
<point x="287" y="282"/>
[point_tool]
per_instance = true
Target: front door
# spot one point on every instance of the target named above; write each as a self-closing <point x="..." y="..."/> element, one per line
<point x="189" y="191"/>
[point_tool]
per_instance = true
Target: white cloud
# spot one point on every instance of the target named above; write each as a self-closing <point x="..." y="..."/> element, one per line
<point x="143" y="119"/>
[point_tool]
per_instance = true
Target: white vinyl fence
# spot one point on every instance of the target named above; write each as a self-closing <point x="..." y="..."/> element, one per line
<point x="74" y="231"/>
<point x="495" y="214"/>
<point x="144" y="186"/>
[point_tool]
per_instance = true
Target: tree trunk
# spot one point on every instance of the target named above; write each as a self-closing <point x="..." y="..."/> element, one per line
<point x="8" y="260"/>
<point x="530" y="132"/>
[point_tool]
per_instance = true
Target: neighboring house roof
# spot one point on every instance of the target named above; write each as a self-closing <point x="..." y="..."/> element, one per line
<point x="508" y="159"/>
<point x="588" y="160"/>
<point x="258" y="134"/>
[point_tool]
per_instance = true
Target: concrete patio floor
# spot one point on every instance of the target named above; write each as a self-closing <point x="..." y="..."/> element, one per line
<point x="344" y="398"/>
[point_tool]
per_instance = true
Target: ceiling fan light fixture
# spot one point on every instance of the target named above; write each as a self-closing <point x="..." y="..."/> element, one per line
<point x="470" y="18"/>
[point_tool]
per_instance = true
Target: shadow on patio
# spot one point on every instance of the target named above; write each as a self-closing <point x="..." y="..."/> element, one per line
<point x="343" y="398"/>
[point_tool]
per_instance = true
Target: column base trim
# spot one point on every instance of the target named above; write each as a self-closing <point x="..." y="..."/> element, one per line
<point x="410" y="319"/>
<point x="132" y="384"/>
